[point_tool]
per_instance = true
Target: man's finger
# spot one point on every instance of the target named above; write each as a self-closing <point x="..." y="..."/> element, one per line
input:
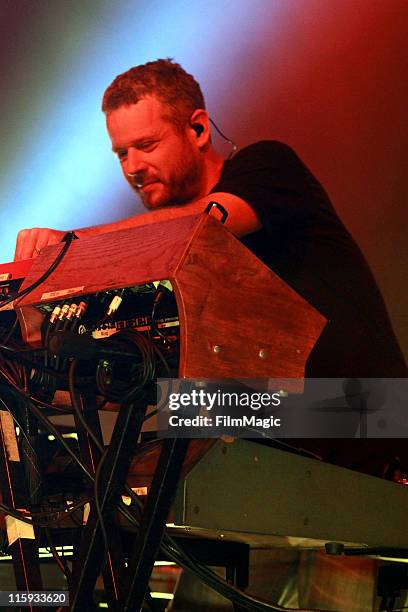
<point x="25" y="245"/>
<point x="31" y="241"/>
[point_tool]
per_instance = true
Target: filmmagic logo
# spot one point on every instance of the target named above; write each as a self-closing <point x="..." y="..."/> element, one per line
<point x="247" y="421"/>
<point x="207" y="400"/>
<point x="225" y="421"/>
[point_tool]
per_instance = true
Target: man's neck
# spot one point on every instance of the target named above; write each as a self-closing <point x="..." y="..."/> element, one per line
<point x="213" y="165"/>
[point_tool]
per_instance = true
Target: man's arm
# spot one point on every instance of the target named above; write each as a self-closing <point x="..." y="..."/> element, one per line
<point x="242" y="220"/>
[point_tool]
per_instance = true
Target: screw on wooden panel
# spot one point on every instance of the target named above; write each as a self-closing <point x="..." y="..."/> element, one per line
<point x="263" y="353"/>
<point x="216" y="348"/>
<point x="196" y="509"/>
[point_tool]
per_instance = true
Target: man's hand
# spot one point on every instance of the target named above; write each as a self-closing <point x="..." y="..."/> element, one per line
<point x="31" y="241"/>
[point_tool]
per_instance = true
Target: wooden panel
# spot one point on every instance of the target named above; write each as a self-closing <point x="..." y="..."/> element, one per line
<point x="226" y="297"/>
<point x="117" y="259"/>
<point x="31" y="320"/>
<point x="229" y="299"/>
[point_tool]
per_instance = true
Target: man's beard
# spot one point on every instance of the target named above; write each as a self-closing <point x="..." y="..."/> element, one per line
<point x="181" y="187"/>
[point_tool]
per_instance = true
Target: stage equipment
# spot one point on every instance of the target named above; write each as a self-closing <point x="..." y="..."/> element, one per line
<point x="179" y="298"/>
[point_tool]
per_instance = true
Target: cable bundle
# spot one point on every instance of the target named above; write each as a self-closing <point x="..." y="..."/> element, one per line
<point x="122" y="379"/>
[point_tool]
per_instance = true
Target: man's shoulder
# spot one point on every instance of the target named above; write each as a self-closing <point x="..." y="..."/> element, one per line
<point x="263" y="147"/>
<point x="270" y="158"/>
<point x="265" y="154"/>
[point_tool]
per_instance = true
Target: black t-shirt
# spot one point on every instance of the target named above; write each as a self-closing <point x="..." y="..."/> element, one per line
<point x="304" y="242"/>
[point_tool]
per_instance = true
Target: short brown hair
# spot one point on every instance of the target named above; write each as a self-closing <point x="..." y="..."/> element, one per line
<point x="164" y="79"/>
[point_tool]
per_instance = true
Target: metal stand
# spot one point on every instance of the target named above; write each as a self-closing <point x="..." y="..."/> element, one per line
<point x="15" y="493"/>
<point x="114" y="569"/>
<point x="127" y="588"/>
<point x="110" y="482"/>
<point x="153" y="523"/>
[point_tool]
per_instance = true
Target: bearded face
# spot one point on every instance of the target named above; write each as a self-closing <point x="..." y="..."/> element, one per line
<point x="161" y="162"/>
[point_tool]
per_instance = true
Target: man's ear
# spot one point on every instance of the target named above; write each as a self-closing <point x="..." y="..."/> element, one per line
<point x="200" y="127"/>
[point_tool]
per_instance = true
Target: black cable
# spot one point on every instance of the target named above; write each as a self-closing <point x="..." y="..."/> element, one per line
<point x="21" y="516"/>
<point x="77" y="408"/>
<point x="59" y="560"/>
<point x="15" y="370"/>
<point x="47" y="423"/>
<point x="231" y="142"/>
<point x="11" y="331"/>
<point x="99" y="446"/>
<point x="150" y="415"/>
<point x="69" y="237"/>
<point x="28" y="397"/>
<point x="49" y="406"/>
<point x="34" y="365"/>
<point x="158" y="296"/>
<point x="17" y="349"/>
<point x="143" y="371"/>
<point x="162" y="359"/>
<point x="58" y="515"/>
<point x="34" y="518"/>
<point x="19" y="357"/>
<point x="97" y="504"/>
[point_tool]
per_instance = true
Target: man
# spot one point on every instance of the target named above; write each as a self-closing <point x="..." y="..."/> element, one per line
<point x="160" y="132"/>
<point x="156" y="119"/>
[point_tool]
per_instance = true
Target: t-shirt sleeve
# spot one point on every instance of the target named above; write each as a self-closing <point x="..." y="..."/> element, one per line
<point x="272" y="179"/>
